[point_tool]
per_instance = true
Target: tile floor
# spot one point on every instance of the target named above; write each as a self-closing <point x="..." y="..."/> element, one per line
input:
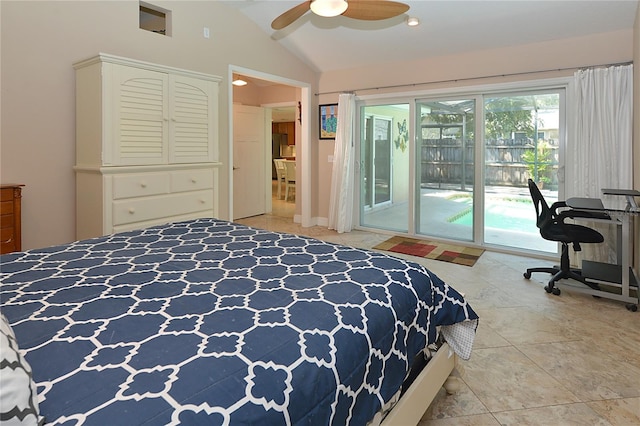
<point x="538" y="359"/>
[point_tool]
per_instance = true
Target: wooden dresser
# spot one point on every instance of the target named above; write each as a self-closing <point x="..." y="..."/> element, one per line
<point x="10" y="218"/>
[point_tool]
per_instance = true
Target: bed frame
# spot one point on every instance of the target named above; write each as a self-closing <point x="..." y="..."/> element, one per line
<point x="416" y="400"/>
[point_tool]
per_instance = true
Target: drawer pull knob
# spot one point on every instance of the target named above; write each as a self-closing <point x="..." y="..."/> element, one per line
<point x="132" y="210"/>
<point x="202" y="201"/>
<point x="193" y="180"/>
<point x="143" y="184"/>
<point x="6" y="241"/>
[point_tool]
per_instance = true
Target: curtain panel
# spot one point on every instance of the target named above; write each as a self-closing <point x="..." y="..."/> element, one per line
<point x="342" y="175"/>
<point x="599" y="143"/>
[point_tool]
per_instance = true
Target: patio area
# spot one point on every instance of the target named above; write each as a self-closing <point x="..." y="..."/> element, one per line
<point x="446" y="213"/>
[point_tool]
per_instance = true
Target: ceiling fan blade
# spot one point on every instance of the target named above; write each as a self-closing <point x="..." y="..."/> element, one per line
<point x="289" y="17"/>
<point x="374" y="10"/>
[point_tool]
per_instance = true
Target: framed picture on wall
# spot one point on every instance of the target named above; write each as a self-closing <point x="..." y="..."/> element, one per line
<point x="328" y="121"/>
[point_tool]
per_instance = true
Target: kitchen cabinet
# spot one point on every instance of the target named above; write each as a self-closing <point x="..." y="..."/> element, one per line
<point x="289" y="128"/>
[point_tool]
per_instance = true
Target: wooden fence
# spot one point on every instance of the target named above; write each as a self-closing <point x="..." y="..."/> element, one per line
<point x="447" y="161"/>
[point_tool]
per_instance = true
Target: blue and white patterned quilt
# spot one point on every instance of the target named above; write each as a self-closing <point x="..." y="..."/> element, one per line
<point x="212" y="322"/>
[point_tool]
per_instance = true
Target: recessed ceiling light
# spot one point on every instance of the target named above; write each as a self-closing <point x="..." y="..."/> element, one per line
<point x="413" y="21"/>
<point x="239" y="82"/>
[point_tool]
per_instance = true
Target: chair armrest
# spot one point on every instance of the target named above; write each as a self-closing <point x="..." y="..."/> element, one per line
<point x="555" y="206"/>
<point x="571" y="214"/>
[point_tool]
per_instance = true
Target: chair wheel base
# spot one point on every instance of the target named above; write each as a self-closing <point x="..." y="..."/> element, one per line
<point x="552" y="289"/>
<point x="527" y="275"/>
<point x="632" y="307"/>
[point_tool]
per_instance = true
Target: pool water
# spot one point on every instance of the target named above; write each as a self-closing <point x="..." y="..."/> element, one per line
<point x="504" y="214"/>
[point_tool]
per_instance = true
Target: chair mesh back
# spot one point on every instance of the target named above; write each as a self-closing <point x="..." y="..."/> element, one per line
<point x="543" y="212"/>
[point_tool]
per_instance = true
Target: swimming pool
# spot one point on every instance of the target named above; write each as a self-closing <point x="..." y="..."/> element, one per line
<point x="515" y="215"/>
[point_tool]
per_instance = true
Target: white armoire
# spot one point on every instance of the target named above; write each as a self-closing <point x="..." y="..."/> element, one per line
<point x="146" y="145"/>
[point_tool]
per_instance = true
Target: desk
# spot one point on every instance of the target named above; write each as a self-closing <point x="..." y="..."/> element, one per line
<point x="622" y="275"/>
<point x="628" y="194"/>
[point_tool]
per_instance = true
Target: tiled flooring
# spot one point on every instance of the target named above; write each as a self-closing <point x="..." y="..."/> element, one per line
<point x="538" y="359"/>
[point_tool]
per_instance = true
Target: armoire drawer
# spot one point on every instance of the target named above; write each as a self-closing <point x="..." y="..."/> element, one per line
<point x="149" y="208"/>
<point x="191" y="180"/>
<point x="140" y="185"/>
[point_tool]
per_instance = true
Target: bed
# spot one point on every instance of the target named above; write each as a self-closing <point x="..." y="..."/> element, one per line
<point x="212" y="322"/>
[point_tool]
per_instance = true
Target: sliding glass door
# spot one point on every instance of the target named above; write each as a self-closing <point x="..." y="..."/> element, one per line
<point x="457" y="167"/>
<point x="384" y="167"/>
<point x="445" y="167"/>
<point x="522" y="140"/>
<point x="377" y="161"/>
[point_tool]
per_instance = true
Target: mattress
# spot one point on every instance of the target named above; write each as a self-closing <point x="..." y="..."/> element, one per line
<point x="213" y="322"/>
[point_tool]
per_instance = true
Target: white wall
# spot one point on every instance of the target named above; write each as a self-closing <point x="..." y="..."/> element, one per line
<point x="40" y="42"/>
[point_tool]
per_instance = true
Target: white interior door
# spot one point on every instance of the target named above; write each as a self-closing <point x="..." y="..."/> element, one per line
<point x="249" y="165"/>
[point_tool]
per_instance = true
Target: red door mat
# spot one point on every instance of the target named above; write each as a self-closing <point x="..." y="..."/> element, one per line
<point x="432" y="250"/>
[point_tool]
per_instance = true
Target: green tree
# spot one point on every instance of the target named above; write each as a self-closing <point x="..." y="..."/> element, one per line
<point x="539" y="166"/>
<point x="506" y="115"/>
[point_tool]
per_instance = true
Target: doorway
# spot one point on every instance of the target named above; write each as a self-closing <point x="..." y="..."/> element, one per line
<point x="283" y="138"/>
<point x="302" y="99"/>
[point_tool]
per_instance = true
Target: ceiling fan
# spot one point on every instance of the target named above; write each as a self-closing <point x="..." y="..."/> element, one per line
<point x="368" y="10"/>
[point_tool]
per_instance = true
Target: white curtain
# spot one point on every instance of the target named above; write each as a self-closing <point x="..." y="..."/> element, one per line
<point x="599" y="142"/>
<point x="341" y="196"/>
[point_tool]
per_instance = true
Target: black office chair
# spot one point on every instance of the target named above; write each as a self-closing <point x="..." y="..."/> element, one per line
<point x="551" y="223"/>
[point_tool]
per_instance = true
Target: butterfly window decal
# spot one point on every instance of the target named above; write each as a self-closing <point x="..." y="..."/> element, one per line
<point x="403" y="136"/>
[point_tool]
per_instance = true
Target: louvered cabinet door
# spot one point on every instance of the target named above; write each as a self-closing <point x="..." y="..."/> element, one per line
<point x="193" y="120"/>
<point x="141" y="116"/>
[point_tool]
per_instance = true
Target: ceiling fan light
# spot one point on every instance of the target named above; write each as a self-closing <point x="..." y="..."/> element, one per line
<point x="328" y="8"/>
<point x="412" y="21"/>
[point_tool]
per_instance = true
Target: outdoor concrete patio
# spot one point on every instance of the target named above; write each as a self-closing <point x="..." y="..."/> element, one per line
<point x="440" y="207"/>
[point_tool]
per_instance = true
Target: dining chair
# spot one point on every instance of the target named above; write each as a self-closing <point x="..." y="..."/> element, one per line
<point x="290" y="178"/>
<point x="280" y="174"/>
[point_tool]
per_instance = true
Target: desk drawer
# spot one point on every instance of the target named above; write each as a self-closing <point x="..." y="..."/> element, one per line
<point x="140" y="185"/>
<point x="191" y="180"/>
<point x="150" y="208"/>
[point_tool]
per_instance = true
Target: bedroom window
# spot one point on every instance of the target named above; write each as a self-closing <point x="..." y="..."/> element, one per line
<point x="155" y="19"/>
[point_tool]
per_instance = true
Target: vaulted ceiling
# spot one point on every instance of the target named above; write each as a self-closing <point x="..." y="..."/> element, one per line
<point x="446" y="27"/>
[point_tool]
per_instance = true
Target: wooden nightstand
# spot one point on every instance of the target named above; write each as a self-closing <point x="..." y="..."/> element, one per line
<point x="10" y="218"/>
